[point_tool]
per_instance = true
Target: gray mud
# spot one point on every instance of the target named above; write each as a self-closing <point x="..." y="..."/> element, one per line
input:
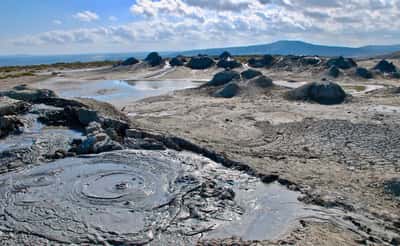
<point x="35" y="131"/>
<point x="34" y="141"/>
<point x="141" y="197"/>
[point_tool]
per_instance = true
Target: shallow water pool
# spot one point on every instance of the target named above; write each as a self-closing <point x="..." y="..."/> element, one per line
<point x="115" y="91"/>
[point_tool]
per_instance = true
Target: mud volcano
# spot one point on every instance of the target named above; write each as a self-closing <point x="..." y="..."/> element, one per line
<point x="138" y="197"/>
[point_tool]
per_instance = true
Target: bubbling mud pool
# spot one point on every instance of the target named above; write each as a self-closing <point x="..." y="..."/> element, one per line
<point x="139" y="197"/>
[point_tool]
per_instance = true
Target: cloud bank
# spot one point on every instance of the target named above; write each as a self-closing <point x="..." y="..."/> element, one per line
<point x="186" y="24"/>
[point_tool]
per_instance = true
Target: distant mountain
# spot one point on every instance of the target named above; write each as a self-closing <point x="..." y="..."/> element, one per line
<point x="395" y="55"/>
<point x="298" y="48"/>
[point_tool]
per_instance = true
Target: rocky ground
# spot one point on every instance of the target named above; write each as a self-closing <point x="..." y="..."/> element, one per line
<point x="342" y="157"/>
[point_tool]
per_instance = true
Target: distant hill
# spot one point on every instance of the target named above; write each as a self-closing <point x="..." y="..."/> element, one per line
<point x="395" y="55"/>
<point x="297" y="48"/>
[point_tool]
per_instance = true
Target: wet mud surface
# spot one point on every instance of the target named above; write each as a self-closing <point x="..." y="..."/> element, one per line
<point x="34" y="140"/>
<point x="34" y="131"/>
<point x="140" y="197"/>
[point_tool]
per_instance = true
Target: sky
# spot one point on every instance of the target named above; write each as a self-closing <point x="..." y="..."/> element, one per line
<point x="100" y="26"/>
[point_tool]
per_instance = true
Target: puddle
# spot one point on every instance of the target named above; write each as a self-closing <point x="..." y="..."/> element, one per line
<point x="270" y="210"/>
<point x="288" y="84"/>
<point x="117" y="91"/>
<point x="144" y="196"/>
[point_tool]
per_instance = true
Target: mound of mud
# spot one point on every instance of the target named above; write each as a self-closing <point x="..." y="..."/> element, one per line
<point x="324" y="92"/>
<point x="223" y="78"/>
<point x="385" y="67"/>
<point x="341" y="62"/>
<point x="265" y="61"/>
<point x="310" y="61"/>
<point x="228" y="64"/>
<point x="333" y="71"/>
<point x="130" y="61"/>
<point x="250" y="73"/>
<point x="261" y="81"/>
<point x="153" y="59"/>
<point x="177" y="61"/>
<point x="228" y="91"/>
<point x="200" y="62"/>
<point x="364" y="73"/>
<point x="225" y="55"/>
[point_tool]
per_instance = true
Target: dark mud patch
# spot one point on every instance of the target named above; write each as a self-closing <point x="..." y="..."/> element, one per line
<point x="139" y="197"/>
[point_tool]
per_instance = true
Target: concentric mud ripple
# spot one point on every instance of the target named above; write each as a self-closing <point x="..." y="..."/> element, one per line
<point x="138" y="197"/>
<point x="127" y="187"/>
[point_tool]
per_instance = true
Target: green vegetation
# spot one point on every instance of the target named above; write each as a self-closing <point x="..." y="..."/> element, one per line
<point x="16" y="75"/>
<point x="22" y="71"/>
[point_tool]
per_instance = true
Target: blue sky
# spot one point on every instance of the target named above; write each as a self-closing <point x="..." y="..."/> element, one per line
<point x="89" y="26"/>
<point x="33" y="16"/>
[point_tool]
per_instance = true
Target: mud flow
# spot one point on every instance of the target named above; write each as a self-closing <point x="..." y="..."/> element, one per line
<point x="34" y="132"/>
<point x="135" y="196"/>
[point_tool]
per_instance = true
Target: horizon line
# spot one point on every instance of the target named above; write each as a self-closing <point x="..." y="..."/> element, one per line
<point x="199" y="49"/>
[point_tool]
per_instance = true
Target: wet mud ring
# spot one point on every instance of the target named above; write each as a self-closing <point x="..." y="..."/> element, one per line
<point x="75" y="197"/>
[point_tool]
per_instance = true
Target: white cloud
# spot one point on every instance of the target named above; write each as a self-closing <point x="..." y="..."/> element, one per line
<point x="57" y="22"/>
<point x="222" y="5"/>
<point x="187" y="24"/>
<point x="86" y="16"/>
